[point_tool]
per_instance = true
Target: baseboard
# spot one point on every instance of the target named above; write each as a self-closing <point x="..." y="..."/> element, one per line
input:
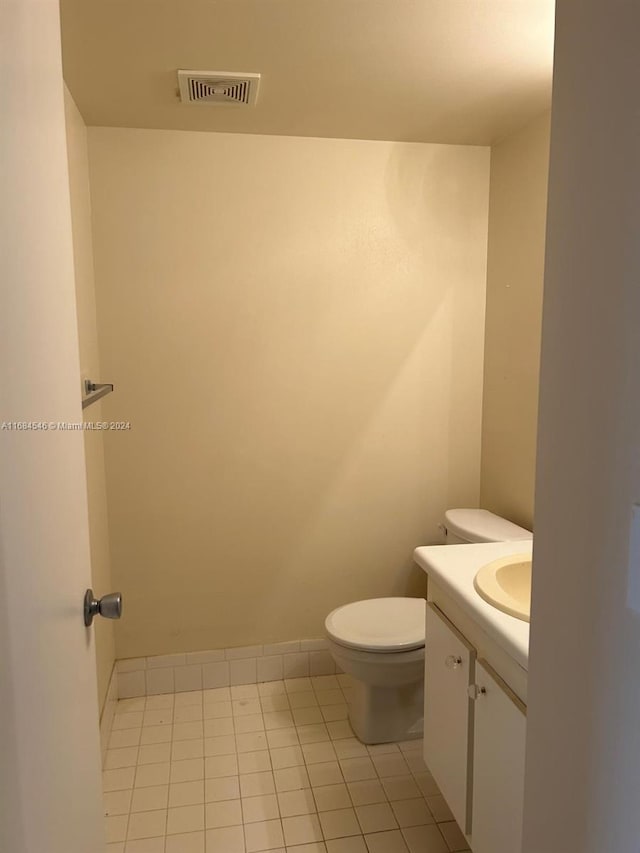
<point x="205" y="670"/>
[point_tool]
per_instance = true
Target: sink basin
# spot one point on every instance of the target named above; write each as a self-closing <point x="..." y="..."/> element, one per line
<point x="506" y="584"/>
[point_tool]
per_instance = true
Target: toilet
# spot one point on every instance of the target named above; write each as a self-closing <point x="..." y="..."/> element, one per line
<point x="379" y="642"/>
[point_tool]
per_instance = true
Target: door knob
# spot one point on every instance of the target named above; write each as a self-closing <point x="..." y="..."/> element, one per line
<point x="109" y="606"/>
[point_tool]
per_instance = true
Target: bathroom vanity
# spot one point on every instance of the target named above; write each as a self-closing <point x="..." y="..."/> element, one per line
<point x="476" y="659"/>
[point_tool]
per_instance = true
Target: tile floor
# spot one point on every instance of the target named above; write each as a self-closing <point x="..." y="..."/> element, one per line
<point x="273" y="766"/>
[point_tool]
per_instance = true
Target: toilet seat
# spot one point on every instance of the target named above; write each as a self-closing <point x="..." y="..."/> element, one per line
<point x="379" y="625"/>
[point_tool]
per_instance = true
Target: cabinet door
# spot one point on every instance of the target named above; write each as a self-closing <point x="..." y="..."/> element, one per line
<point x="448" y="712"/>
<point x="498" y="766"/>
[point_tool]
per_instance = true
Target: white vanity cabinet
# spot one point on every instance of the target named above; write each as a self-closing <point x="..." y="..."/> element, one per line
<point x="474" y="738"/>
<point x="448" y="717"/>
<point x="500" y="727"/>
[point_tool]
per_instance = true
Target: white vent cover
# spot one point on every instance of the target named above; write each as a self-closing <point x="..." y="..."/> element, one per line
<point x="218" y="87"/>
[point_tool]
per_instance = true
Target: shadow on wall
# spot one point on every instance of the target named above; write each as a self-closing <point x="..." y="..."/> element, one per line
<point x="287" y="361"/>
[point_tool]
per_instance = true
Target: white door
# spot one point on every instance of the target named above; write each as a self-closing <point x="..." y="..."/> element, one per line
<point x="448" y="712"/>
<point x="498" y="765"/>
<point x="49" y="748"/>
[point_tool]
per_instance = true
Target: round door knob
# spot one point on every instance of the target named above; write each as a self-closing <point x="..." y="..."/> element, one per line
<point x="109" y="606"/>
<point x="452" y="661"/>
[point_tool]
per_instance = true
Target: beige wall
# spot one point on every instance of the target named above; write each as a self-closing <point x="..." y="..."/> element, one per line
<point x="517" y="217"/>
<point x="583" y="750"/>
<point x="90" y="368"/>
<point x="295" y="331"/>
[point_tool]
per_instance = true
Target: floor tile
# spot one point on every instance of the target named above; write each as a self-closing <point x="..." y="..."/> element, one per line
<point x="386" y="842"/>
<point x="276" y="702"/>
<point x="230" y="839"/>
<point x="340" y="823"/>
<point x="223" y="813"/>
<point x="156" y="734"/>
<point x="265" y="835"/>
<point x="220" y="765"/>
<point x="301" y="830"/>
<point x="307" y="716"/>
<point x="331" y="797"/>
<point x="376" y="817"/>
<point x="221" y="745"/>
<point x="261" y="808"/>
<point x="187" y="731"/>
<point x="127" y="721"/>
<point x="254" y="767"/>
<point x="350" y="748"/>
<point x="412" y="812"/>
<point x="245" y="691"/>
<point x="318" y="753"/>
<point x="152" y="774"/>
<point x="224" y="788"/>
<point x="439" y="808"/>
<point x="186" y="793"/>
<point x="254" y="762"/>
<point x="293" y="803"/>
<point x="391" y="764"/>
<point x="257" y="784"/>
<point x="327" y="773"/>
<point x="191" y="842"/>
<point x="190" y="714"/>
<point x="243" y="707"/>
<point x="286" y="756"/>
<point x="400" y="788"/>
<point x="116" y="827"/>
<point x="282" y="737"/>
<point x="339" y="730"/>
<point x="453" y="836"/>
<point x="124" y="737"/>
<point x="366" y="792"/>
<point x="146" y="845"/>
<point x="250" y="723"/>
<point x="218" y="694"/>
<point x="150" y="799"/>
<point x="117" y="803"/>
<point x="190" y="770"/>
<point x="315" y="733"/>
<point x="355" y="844"/>
<point x="147" y="824"/>
<point x="182" y="819"/>
<point x="217" y="710"/>
<point x="118" y="780"/>
<point x="155" y="703"/>
<point x="297" y="685"/>
<point x="357" y="769"/>
<point x="116" y="759"/>
<point x="303" y="699"/>
<point x="291" y="779"/>
<point x="181" y="750"/>
<point x="154" y="753"/>
<point x="424" y="839"/>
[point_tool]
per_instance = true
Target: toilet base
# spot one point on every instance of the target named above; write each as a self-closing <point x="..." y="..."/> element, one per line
<point x="386" y="714"/>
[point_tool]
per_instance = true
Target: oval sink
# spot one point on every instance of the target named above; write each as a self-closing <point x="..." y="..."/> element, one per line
<point x="506" y="584"/>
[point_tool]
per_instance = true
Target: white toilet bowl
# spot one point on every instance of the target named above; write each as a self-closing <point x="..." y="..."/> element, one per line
<point x="380" y="643"/>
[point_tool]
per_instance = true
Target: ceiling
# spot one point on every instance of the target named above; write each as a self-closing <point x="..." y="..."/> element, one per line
<point x="453" y="71"/>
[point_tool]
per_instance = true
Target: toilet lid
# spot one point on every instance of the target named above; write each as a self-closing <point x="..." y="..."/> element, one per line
<point x="379" y="624"/>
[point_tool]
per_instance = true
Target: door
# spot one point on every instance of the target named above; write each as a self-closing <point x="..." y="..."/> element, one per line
<point x="498" y="766"/>
<point x="448" y="717"/>
<point x="50" y="766"/>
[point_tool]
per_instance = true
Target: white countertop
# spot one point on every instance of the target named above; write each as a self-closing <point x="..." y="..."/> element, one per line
<point x="453" y="567"/>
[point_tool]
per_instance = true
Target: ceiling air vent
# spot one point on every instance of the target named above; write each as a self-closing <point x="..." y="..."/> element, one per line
<point x="218" y="88"/>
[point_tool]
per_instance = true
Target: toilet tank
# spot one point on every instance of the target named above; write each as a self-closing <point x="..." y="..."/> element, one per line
<point x="462" y="526"/>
